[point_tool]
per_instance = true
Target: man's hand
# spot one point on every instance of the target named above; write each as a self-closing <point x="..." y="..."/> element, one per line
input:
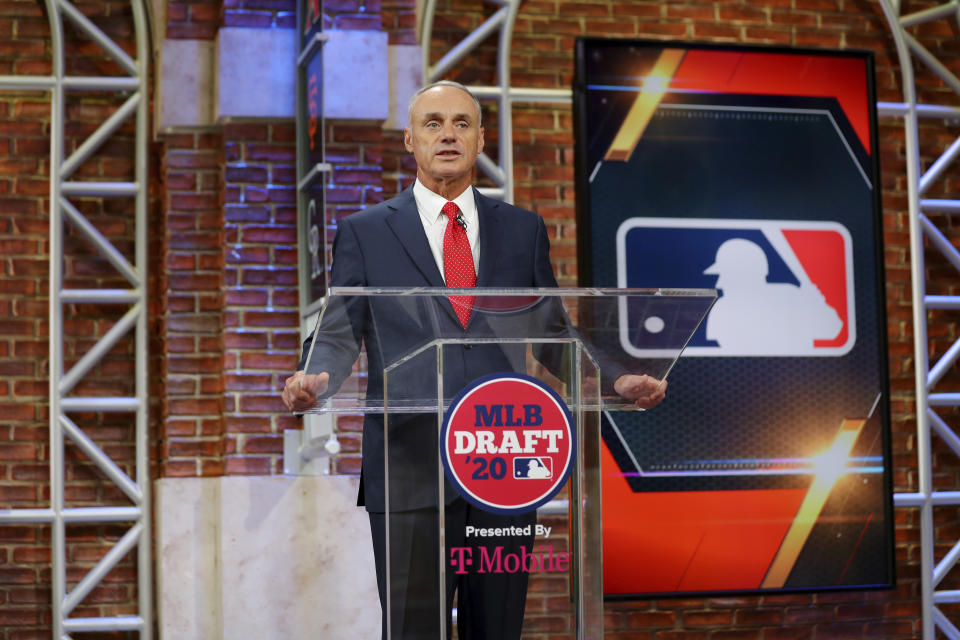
<point x="644" y="391"/>
<point x="300" y="390"/>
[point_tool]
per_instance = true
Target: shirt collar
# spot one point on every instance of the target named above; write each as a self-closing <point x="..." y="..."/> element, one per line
<point x="430" y="204"/>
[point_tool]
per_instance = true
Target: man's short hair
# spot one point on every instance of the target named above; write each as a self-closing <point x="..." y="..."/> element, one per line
<point x="444" y="83"/>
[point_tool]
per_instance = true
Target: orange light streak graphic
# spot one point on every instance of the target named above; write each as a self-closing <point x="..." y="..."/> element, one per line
<point x="655" y="85"/>
<point x="830" y="466"/>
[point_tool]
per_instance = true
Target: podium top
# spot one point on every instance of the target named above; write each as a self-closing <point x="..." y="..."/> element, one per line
<point x="513" y="292"/>
<point x="412" y="338"/>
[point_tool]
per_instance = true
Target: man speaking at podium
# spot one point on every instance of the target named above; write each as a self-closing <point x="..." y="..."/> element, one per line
<point x="441" y="232"/>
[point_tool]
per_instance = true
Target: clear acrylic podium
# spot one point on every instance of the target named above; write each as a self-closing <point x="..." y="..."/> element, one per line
<point x="401" y="358"/>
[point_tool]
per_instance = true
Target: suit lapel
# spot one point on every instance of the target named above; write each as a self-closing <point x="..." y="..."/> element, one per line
<point x="488" y="213"/>
<point x="406" y="225"/>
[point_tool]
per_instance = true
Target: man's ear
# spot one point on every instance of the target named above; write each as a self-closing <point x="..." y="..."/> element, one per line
<point x="480" y="141"/>
<point x="407" y="143"/>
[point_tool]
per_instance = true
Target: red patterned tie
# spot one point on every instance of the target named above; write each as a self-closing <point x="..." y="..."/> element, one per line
<point x="458" y="270"/>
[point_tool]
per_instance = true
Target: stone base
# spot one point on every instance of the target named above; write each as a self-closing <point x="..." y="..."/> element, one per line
<point x="264" y="558"/>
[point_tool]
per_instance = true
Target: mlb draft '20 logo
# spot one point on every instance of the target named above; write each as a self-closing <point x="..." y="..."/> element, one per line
<point x="507" y="443"/>
<point x="785" y="286"/>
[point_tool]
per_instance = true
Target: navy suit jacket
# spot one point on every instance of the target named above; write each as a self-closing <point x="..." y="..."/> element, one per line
<point x="385" y="246"/>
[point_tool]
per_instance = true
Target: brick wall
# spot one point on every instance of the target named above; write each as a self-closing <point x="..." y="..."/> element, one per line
<point x="24" y="238"/>
<point x="261" y="314"/>
<point x="399" y="20"/>
<point x="232" y="306"/>
<point x="231" y="312"/>
<point x="191" y="323"/>
<point x="356" y="151"/>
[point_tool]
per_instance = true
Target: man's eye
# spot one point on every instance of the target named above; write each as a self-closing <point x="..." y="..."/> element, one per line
<point x="462" y="125"/>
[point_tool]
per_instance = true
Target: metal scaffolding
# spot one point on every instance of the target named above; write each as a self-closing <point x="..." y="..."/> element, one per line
<point x="923" y="230"/>
<point x="503" y="19"/>
<point x="62" y="382"/>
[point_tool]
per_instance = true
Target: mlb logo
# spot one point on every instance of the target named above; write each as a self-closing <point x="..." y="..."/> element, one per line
<point x="532" y="468"/>
<point x="785" y="286"/>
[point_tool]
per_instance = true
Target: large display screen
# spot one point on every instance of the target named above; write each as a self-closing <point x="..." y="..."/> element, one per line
<point x="752" y="171"/>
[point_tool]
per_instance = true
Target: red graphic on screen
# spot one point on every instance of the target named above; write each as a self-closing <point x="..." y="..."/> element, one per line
<point x="781" y="74"/>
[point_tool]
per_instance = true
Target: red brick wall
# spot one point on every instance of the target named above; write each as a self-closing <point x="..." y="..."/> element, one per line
<point x="193" y="20"/>
<point x="261" y="316"/>
<point x="399" y="20"/>
<point x="356" y="151"/>
<point x="191" y="323"/>
<point x="232" y="333"/>
<point x="24" y="329"/>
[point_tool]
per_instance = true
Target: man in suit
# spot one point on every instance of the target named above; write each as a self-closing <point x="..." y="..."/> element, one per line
<point x="420" y="239"/>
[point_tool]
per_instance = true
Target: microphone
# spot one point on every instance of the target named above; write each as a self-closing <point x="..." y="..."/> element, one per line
<point x="460" y="221"/>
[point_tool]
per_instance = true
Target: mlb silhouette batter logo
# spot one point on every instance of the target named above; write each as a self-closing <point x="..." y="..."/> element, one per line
<point x="533" y="468"/>
<point x="785" y="286"/>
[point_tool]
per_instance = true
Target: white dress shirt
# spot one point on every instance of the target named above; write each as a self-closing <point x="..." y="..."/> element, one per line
<point x="430" y="208"/>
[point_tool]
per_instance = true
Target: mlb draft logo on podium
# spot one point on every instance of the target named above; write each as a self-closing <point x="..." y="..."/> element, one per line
<point x="785" y="286"/>
<point x="508" y="443"/>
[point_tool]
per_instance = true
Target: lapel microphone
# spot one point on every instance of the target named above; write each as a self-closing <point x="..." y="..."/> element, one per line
<point x="460" y="221"/>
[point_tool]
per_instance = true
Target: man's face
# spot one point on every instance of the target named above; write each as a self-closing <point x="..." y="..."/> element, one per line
<point x="444" y="136"/>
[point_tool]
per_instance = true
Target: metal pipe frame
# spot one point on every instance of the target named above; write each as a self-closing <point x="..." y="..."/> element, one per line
<point x="925" y="378"/>
<point x="137" y="489"/>
<point x="502" y="20"/>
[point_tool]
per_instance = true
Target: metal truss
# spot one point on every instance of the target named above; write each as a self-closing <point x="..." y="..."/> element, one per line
<point x="62" y="382"/>
<point x="503" y="20"/>
<point x="921" y="229"/>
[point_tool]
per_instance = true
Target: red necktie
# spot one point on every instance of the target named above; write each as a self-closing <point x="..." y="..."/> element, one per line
<point x="458" y="270"/>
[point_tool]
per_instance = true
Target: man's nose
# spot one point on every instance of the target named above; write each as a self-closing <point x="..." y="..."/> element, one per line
<point x="448" y="132"/>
